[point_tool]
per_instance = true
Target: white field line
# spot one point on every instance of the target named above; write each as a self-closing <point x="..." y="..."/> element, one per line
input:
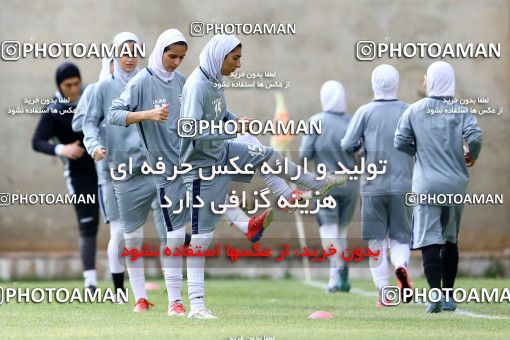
<point x="323" y="286"/>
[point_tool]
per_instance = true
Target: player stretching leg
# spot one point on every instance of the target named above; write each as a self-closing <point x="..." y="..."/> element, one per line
<point x="437" y="141"/>
<point x="203" y="99"/>
<point x="131" y="196"/>
<point x="325" y="149"/>
<point x="151" y="102"/>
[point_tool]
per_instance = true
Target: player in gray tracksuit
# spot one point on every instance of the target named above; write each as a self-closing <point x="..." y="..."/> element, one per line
<point x="129" y="196"/>
<point x="203" y="100"/>
<point x="103" y="172"/>
<point x="434" y="129"/>
<point x="106" y="71"/>
<point x="151" y="101"/>
<point x="108" y="206"/>
<point x="384" y="214"/>
<point x="325" y="148"/>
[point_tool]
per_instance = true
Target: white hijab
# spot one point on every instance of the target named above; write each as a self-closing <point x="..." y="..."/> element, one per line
<point x="333" y="96"/>
<point x="440" y="80"/>
<point x="118" y="72"/>
<point x="214" y="53"/>
<point x="166" y="38"/>
<point x="105" y="68"/>
<point x="385" y="82"/>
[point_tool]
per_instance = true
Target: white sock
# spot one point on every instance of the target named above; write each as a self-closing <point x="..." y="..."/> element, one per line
<point x="399" y="254"/>
<point x="329" y="237"/>
<point x="90" y="277"/>
<point x="115" y="262"/>
<point x="237" y="217"/>
<point x="308" y="180"/>
<point x="173" y="266"/>
<point x="379" y="268"/>
<point x="196" y="269"/>
<point x="135" y="269"/>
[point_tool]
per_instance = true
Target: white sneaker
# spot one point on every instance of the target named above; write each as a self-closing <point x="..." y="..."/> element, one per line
<point x="201" y="314"/>
<point x="331" y="181"/>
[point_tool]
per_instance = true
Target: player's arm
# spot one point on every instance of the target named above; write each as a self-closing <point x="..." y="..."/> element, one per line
<point x="405" y="140"/>
<point x="472" y="134"/>
<point x="44" y="131"/>
<point x="123" y="111"/>
<point x="353" y="138"/>
<point x="93" y="116"/>
<point x="77" y="123"/>
<point x="80" y="109"/>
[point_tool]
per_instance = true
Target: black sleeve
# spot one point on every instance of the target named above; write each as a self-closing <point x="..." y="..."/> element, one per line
<point x="44" y="131"/>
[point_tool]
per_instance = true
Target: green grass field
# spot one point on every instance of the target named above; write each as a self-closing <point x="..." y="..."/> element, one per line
<point x="257" y="308"/>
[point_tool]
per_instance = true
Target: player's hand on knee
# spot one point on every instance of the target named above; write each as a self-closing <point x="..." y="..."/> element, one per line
<point x="469" y="160"/>
<point x="467" y="157"/>
<point x="73" y="150"/>
<point x="99" y="153"/>
<point x="159" y="114"/>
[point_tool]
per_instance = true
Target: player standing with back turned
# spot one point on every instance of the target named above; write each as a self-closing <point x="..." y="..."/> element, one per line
<point x="385" y="218"/>
<point x="437" y="142"/>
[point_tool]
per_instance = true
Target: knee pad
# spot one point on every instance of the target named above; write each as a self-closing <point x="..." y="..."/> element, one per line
<point x="88" y="226"/>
